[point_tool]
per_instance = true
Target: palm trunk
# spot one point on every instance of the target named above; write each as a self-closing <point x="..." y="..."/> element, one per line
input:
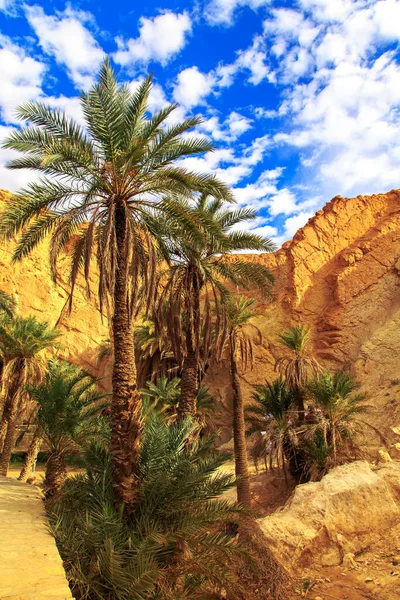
<point x="56" y="473"/>
<point x="9" y="404"/>
<point x="31" y="455"/>
<point x="190" y="368"/>
<point x="10" y="417"/>
<point x="239" y="435"/>
<point x="126" y="405"/>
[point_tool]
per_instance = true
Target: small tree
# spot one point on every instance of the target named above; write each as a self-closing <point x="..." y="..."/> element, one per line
<point x="269" y="419"/>
<point x="69" y="403"/>
<point x="300" y="366"/>
<point x="164" y="396"/>
<point x="22" y="343"/>
<point x="334" y="423"/>
<point x="175" y="543"/>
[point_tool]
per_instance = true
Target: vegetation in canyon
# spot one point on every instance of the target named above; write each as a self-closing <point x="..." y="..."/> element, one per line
<point x="148" y="517"/>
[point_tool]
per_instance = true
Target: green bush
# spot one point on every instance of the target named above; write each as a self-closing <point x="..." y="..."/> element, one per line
<point x="174" y="546"/>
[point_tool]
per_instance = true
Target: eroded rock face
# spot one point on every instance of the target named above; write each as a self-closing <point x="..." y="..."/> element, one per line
<point x="347" y="510"/>
<point x="29" y="282"/>
<point x="340" y="275"/>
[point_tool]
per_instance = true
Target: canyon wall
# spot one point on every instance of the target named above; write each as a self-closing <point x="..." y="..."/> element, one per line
<point x="340" y="275"/>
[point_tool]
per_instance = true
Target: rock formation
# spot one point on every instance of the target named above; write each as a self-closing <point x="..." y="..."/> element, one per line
<point x="342" y="514"/>
<point x="340" y="275"/>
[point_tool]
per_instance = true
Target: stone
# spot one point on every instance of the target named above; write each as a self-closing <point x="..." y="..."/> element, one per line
<point x="384" y="456"/>
<point x="339" y="516"/>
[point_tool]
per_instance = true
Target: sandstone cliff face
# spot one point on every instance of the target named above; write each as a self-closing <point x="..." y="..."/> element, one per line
<point x="340" y="275"/>
<point x="29" y="283"/>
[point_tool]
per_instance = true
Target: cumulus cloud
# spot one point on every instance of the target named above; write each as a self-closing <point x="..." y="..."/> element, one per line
<point x="193" y="87"/>
<point x="160" y="39"/>
<point x="342" y="102"/>
<point x="221" y="12"/>
<point x="21" y="78"/>
<point x="65" y="37"/>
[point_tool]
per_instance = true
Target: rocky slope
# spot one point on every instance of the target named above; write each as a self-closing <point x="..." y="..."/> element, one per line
<point x="340" y="275"/>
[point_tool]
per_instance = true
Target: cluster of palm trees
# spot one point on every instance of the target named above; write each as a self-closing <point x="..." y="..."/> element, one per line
<point x="116" y="192"/>
<point x="307" y="418"/>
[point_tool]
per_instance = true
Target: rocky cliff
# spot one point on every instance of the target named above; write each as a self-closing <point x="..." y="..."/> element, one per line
<point x="340" y="275"/>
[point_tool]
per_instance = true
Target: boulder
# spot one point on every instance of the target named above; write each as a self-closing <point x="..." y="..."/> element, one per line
<point x="343" y="513"/>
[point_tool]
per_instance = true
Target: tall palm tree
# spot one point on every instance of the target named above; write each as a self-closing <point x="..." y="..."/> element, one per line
<point x="300" y="366"/>
<point x="69" y="403"/>
<point x="22" y="342"/>
<point x="100" y="191"/>
<point x="240" y="315"/>
<point x="200" y="269"/>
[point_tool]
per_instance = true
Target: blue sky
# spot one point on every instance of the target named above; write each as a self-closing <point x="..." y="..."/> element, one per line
<point x="301" y="97"/>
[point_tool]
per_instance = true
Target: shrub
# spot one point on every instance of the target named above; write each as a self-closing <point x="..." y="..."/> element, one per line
<point x="174" y="546"/>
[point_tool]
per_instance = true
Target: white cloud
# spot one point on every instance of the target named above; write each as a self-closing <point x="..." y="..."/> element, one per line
<point x="21" y="78"/>
<point x="293" y="224"/>
<point x="159" y="39"/>
<point x="65" y="37"/>
<point x="253" y="59"/>
<point x="230" y="130"/>
<point x="193" y="87"/>
<point x="342" y="91"/>
<point x="9" y="179"/>
<point x="6" y="5"/>
<point x="221" y="12"/>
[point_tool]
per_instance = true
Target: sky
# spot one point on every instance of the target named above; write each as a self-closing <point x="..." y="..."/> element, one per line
<point x="300" y="97"/>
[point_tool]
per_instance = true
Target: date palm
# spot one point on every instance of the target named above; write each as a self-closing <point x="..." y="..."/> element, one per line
<point x="269" y="420"/>
<point x="240" y="345"/>
<point x="198" y="278"/>
<point x="69" y="403"/>
<point x="7" y="304"/>
<point x="22" y="342"/>
<point x="337" y="405"/>
<point x="99" y="194"/>
<point x="300" y="365"/>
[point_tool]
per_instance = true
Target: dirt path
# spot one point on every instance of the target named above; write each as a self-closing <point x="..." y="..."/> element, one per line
<point x="30" y="566"/>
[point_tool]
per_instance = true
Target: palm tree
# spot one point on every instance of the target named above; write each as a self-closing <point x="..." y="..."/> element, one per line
<point x="297" y="368"/>
<point x="69" y="403"/>
<point x="337" y="405"/>
<point x="199" y="268"/>
<point x="101" y="191"/>
<point x="164" y="396"/>
<point x="22" y="342"/>
<point x="269" y="419"/>
<point x="240" y="315"/>
<point x="31" y="454"/>
<point x="175" y="544"/>
<point x="7" y="304"/>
